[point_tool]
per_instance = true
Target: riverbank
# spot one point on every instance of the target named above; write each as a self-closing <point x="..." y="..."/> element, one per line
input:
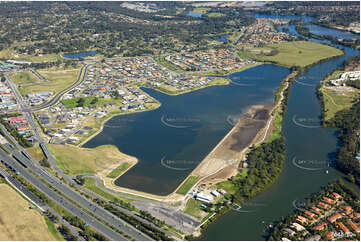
<point x="216" y="82"/>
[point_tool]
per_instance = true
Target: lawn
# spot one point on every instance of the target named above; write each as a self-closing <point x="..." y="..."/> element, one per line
<point x="88" y="101"/>
<point x="119" y="170"/>
<point x="200" y="10"/>
<point x="24" y="78"/>
<point x="90" y="183"/>
<point x="58" y="80"/>
<point x="75" y="161"/>
<point x="215" y="15"/>
<point x="193" y="208"/>
<point x="335" y="102"/>
<point x="228" y="186"/>
<point x="295" y="53"/>
<point x="188" y="184"/>
<point x="18" y="222"/>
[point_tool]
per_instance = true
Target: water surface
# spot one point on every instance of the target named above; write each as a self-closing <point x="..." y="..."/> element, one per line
<point x="80" y="54"/>
<point x="185" y="128"/>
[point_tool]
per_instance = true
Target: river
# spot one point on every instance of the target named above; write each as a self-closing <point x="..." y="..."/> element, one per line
<point x="308" y="165"/>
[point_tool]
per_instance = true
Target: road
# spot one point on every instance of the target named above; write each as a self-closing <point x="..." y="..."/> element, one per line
<point x="63" y="188"/>
<point x="59" y="200"/>
<point x="35" y="200"/>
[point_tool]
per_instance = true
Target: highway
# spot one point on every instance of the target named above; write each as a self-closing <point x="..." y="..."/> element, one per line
<point x="59" y="200"/>
<point x="78" y="198"/>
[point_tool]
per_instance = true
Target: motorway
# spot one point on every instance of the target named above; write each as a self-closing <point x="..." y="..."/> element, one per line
<point x="59" y="200"/>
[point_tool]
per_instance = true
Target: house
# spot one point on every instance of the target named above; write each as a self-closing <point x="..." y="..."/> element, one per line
<point x="334" y="217"/>
<point x="310" y="215"/>
<point x="285" y="239"/>
<point x="347" y="209"/>
<point x="355" y="216"/>
<point x="353" y="225"/>
<point x="320" y="227"/>
<point x="316" y="210"/>
<point x="302" y="219"/>
<point x="323" y="206"/>
<point x="328" y="200"/>
<point x="314" y="238"/>
<point x="298" y="227"/>
<point x="336" y="196"/>
<point x="343" y="227"/>
<point x="289" y="231"/>
<point x="329" y="235"/>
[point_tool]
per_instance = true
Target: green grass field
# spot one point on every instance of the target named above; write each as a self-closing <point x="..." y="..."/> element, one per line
<point x="193" y="208"/>
<point x="188" y="184"/>
<point x="76" y="161"/>
<point x="215" y="15"/>
<point x="295" y="53"/>
<point x="24" y="78"/>
<point x="90" y="183"/>
<point x="58" y="80"/>
<point x="88" y="101"/>
<point x="200" y="10"/>
<point x="119" y="170"/>
<point x="335" y="102"/>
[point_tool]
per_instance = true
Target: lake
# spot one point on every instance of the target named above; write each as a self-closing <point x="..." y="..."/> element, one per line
<point x="80" y="55"/>
<point x="196" y="15"/>
<point x="155" y="135"/>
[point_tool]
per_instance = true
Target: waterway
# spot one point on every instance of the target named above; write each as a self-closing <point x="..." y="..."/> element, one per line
<point x="308" y="165"/>
<point x="196" y="15"/>
<point x="80" y="54"/>
<point x="171" y="140"/>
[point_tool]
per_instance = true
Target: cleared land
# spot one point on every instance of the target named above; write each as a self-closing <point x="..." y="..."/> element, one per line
<point x="24" y="78"/>
<point x="36" y="153"/>
<point x="10" y="54"/>
<point x="17" y="221"/>
<point x="337" y="98"/>
<point x="295" y="53"/>
<point x="76" y="161"/>
<point x="59" y="79"/>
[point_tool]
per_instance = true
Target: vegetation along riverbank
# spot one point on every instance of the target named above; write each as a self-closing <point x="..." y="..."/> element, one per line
<point x="339" y="96"/>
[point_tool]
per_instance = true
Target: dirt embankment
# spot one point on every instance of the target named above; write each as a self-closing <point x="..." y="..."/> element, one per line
<point x="226" y="156"/>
